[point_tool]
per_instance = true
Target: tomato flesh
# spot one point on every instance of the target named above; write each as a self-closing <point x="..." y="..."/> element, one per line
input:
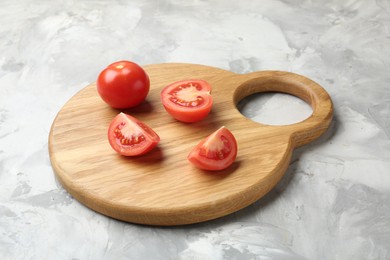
<point x="131" y="137"/>
<point x="217" y="152"/>
<point x="187" y="100"/>
<point x="123" y="84"/>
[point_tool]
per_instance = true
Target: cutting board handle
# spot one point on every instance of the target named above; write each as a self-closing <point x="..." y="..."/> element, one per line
<point x="302" y="132"/>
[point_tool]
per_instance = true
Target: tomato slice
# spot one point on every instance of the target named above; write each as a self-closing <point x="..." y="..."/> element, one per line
<point x="217" y="152"/>
<point x="187" y="100"/>
<point x="130" y="137"/>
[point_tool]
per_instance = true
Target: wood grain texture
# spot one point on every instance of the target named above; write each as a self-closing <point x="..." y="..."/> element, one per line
<point x="162" y="187"/>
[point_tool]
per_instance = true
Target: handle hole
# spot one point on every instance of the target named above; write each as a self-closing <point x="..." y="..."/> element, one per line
<point x="274" y="108"/>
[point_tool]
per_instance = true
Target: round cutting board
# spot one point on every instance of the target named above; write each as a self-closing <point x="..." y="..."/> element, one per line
<point x="162" y="187"/>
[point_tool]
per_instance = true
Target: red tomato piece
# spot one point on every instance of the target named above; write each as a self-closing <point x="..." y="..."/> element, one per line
<point x="123" y="84"/>
<point x="130" y="137"/>
<point x="217" y="152"/>
<point x="187" y="100"/>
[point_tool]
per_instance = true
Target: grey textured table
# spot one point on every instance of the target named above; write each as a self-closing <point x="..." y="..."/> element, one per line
<point x="334" y="201"/>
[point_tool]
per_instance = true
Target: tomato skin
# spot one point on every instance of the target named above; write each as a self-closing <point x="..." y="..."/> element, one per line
<point x="123" y="84"/>
<point x="217" y="152"/>
<point x="129" y="136"/>
<point x="188" y="111"/>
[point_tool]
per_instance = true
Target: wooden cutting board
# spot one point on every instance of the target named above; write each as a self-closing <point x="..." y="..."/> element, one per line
<point x="162" y="187"/>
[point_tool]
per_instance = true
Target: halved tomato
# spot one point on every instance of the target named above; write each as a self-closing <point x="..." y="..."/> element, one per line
<point x="130" y="137"/>
<point x="217" y="152"/>
<point x="187" y="100"/>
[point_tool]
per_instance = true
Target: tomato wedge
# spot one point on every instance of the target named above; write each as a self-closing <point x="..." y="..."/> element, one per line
<point x="187" y="100"/>
<point x="129" y="136"/>
<point x="217" y="152"/>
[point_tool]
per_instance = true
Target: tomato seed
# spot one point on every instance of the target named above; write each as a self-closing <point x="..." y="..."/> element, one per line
<point x="132" y="140"/>
<point x="174" y="96"/>
<point x="185" y="103"/>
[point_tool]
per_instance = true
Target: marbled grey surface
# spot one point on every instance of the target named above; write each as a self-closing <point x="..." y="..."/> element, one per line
<point x="334" y="201"/>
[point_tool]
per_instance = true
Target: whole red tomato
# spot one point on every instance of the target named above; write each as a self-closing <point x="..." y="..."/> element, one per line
<point x="123" y="84"/>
